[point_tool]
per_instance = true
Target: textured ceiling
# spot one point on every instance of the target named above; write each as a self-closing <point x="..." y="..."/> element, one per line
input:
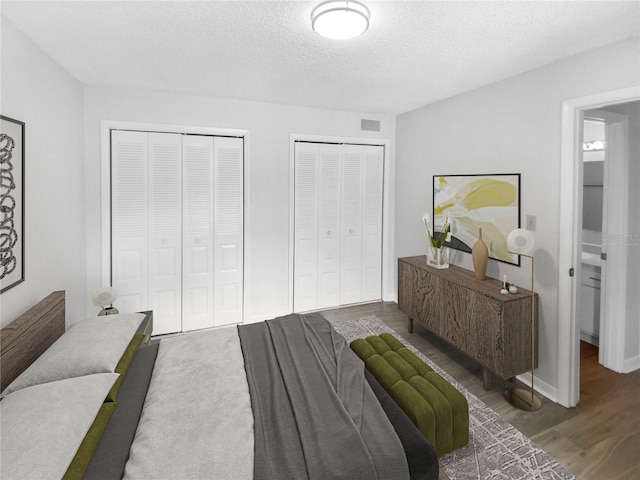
<point x="413" y="54"/>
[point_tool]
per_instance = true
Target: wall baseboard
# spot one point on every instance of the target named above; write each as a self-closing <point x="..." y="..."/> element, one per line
<point x="541" y="387"/>
<point x="631" y="364"/>
<point x="256" y="318"/>
<point x="589" y="338"/>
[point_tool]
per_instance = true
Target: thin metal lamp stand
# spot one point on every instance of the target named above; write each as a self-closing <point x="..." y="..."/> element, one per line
<point x="519" y="397"/>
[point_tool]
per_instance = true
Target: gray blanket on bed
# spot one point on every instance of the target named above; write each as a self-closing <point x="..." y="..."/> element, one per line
<point x="315" y="416"/>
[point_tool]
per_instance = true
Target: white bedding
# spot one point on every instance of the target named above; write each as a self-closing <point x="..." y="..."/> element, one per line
<point x="91" y="346"/>
<point x="42" y="426"/>
<point x="215" y="428"/>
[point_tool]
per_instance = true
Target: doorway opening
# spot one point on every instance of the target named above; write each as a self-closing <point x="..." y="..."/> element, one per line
<point x="593" y="159"/>
<point x="618" y="333"/>
<point x="596" y="148"/>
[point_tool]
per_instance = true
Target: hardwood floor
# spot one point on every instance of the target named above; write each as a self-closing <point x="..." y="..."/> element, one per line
<point x="597" y="440"/>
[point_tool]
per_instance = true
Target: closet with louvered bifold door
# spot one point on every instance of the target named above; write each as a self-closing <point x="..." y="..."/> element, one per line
<point x="338" y="198"/>
<point x="177" y="228"/>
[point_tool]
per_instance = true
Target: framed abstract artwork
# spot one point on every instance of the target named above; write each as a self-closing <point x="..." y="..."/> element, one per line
<point x="11" y="203"/>
<point x="471" y="202"/>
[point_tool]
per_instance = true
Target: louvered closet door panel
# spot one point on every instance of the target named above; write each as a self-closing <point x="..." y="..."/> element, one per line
<point x="228" y="230"/>
<point x="165" y="231"/>
<point x="129" y="225"/>
<point x="329" y="226"/>
<point x="351" y="225"/>
<point x="372" y="185"/>
<point x="197" y="233"/>
<point x="305" y="275"/>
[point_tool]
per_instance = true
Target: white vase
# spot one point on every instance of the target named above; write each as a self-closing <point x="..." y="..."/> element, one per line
<point x="438" y="257"/>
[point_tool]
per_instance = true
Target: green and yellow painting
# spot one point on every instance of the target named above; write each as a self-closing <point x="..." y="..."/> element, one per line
<point x="471" y="202"/>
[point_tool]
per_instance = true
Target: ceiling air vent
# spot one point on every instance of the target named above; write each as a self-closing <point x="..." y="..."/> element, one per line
<point x="369" y="125"/>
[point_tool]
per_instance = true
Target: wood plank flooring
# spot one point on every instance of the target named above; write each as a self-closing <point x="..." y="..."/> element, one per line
<point x="597" y="440"/>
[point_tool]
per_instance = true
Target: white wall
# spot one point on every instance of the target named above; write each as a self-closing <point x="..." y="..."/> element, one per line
<point x="269" y="126"/>
<point x="513" y="126"/>
<point x="40" y="93"/>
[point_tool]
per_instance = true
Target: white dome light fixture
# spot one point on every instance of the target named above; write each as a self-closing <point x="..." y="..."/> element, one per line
<point x="340" y="19"/>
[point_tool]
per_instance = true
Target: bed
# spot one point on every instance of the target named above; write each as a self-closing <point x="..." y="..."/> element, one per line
<point x="285" y="398"/>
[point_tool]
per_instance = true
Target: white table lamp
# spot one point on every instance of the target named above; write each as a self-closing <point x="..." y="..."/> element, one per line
<point x="104" y="297"/>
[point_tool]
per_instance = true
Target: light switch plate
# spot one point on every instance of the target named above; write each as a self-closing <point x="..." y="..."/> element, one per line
<point x="531" y="222"/>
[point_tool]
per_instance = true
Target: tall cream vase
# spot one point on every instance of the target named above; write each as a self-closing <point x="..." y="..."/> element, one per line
<point x="480" y="255"/>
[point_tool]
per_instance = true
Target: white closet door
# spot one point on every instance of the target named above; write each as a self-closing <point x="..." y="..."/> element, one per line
<point x="197" y="234"/>
<point x="129" y="225"/>
<point x="351" y="225"/>
<point x="305" y="273"/>
<point x="165" y="231"/>
<point x="228" y="230"/>
<point x="372" y="184"/>
<point x="338" y="195"/>
<point x="329" y="226"/>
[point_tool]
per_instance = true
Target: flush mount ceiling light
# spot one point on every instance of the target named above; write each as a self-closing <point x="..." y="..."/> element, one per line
<point x="340" y="19"/>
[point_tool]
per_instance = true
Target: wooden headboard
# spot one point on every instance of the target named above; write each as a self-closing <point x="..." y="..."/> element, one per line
<point x="28" y="336"/>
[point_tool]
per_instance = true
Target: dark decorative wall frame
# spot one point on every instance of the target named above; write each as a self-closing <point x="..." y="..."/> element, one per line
<point x="471" y="202"/>
<point x="11" y="203"/>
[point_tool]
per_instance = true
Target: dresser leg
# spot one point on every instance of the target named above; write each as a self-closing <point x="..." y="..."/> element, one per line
<point x="410" y="325"/>
<point x="486" y="378"/>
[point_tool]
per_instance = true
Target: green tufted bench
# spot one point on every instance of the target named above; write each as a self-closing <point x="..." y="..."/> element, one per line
<point x="439" y="411"/>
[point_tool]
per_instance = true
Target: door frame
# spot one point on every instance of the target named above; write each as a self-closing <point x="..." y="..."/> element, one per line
<point x="105" y="183"/>
<point x="388" y="280"/>
<point x="570" y="236"/>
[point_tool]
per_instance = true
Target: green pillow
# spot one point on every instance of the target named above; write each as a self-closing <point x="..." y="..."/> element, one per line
<point x="123" y="364"/>
<point x="83" y="456"/>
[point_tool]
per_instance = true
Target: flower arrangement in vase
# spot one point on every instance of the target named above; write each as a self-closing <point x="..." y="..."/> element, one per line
<point x="437" y="250"/>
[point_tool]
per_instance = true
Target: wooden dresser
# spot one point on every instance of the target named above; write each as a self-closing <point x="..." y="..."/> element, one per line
<point x="470" y="314"/>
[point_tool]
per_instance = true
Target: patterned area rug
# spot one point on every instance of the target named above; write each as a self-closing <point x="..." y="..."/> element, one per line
<point x="496" y="449"/>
